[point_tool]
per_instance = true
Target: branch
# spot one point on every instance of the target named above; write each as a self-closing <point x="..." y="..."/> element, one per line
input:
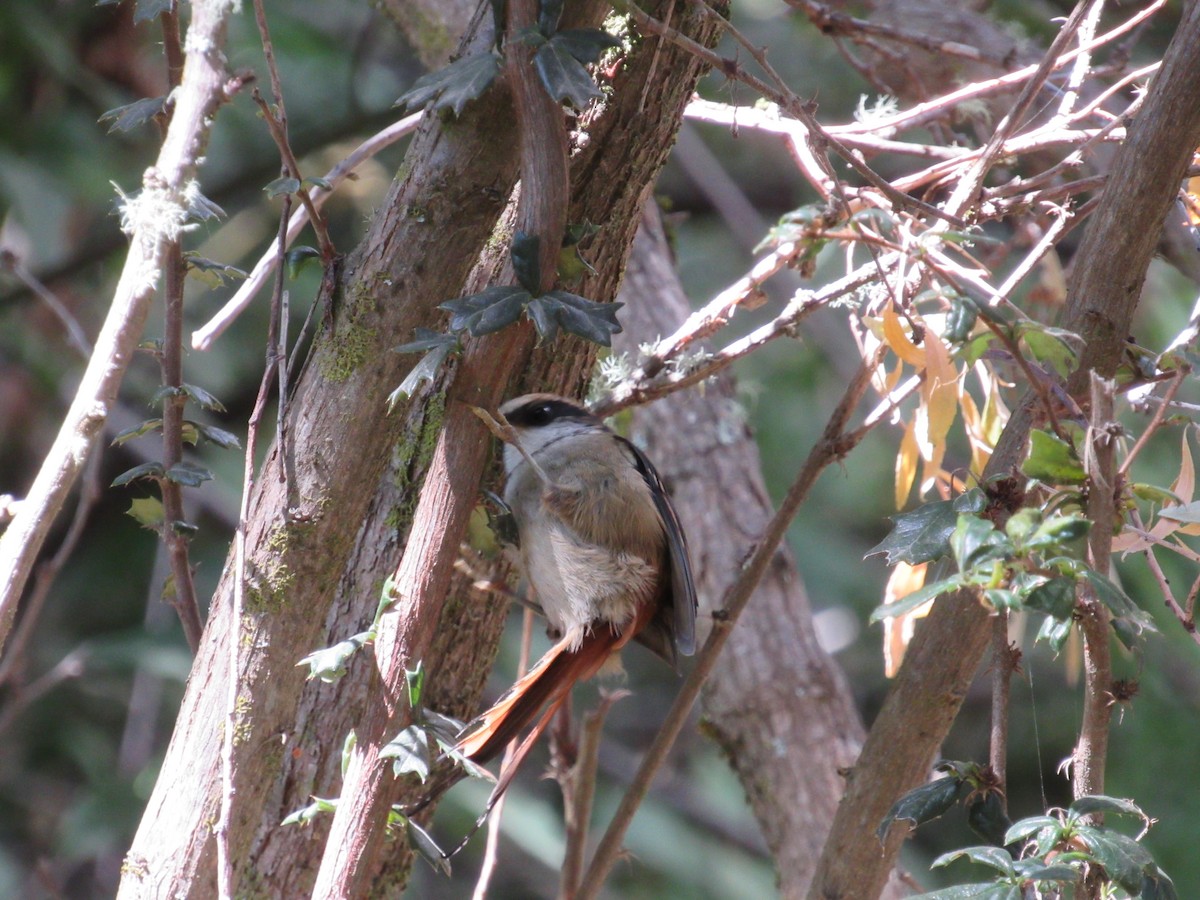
<point x="152" y="219"/>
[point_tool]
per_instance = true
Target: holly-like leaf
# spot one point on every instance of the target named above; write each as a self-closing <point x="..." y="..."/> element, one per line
<point x="488" y="311"/>
<point x="426" y="369"/>
<point x="1123" y="858"/>
<point x="454" y="86"/>
<point x="415" y="680"/>
<point x="923" y="534"/>
<point x="131" y="115"/>
<point x="564" y="77"/>
<point x="592" y="321"/>
<point x="224" y="439"/>
<point x="188" y="474"/>
<point x="329" y="663"/>
<point x="1052" y="460"/>
<point x="993" y="857"/>
<point x="976" y="541"/>
<point x="987" y="817"/>
<point x="919" y="597"/>
<point x="425" y="339"/>
<point x="1055" y="597"/>
<point x="987" y="890"/>
<point x="299" y="257"/>
<point x="1058" y="531"/>
<point x="409" y="752"/>
<point x="585" y="44"/>
<point x="147" y="511"/>
<point x="526" y="261"/>
<point x="149" y="10"/>
<point x="924" y="803"/>
<point x="134" y="431"/>
<point x="305" y="815"/>
<point x="145" y="470"/>
<point x="201" y="209"/>
<point x="317" y="181"/>
<point x="1054" y="632"/>
<point x="203" y="398"/>
<point x="209" y="272"/>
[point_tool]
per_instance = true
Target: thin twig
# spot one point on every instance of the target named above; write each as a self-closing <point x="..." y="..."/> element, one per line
<point x="1156" y="420"/>
<point x="833" y="445"/>
<point x="75" y="334"/>
<point x="1184" y="616"/>
<point x="1001" y="687"/>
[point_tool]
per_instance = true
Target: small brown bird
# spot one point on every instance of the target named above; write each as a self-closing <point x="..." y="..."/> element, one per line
<point x="603" y="553"/>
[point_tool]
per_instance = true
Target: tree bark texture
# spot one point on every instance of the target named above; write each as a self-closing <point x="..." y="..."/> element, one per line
<point x="775" y="686"/>
<point x="1105" y="287"/>
<point x="315" y="563"/>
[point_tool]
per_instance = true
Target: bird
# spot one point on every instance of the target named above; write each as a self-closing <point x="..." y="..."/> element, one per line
<point x="602" y="552"/>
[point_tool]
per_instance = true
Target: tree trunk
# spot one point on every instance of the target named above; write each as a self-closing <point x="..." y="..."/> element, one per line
<point x="310" y="558"/>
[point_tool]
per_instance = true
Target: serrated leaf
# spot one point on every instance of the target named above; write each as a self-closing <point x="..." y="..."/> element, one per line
<point x="149" y="10"/>
<point x="444" y="729"/>
<point x="426" y="369"/>
<point x="1128" y="620"/>
<point x="226" y="440"/>
<point x="976" y="541"/>
<point x="923" y="534"/>
<point x="1052" y="460"/>
<point x="454" y="86"/>
<point x="1055" y="597"/>
<point x="987" y="818"/>
<point x="1100" y="803"/>
<point x="211" y="273"/>
<point x="285" y="184"/>
<point x="131" y="115"/>
<point x="526" y="261"/>
<point x="145" y="470"/>
<point x="203" y="398"/>
<point x="1124" y="859"/>
<point x="329" y="663"/>
<point x="585" y="44"/>
<point x="305" y="815"/>
<point x="1054" y="632"/>
<point x="425" y="847"/>
<point x="147" y="511"/>
<point x="129" y="434"/>
<point x="409" y="752"/>
<point x="924" y="803"/>
<point x="426" y="339"/>
<point x="909" y="602"/>
<point x="488" y="311"/>
<point x="189" y="474"/>
<point x="592" y="321"/>
<point x="993" y="857"/>
<point x="564" y="77"/>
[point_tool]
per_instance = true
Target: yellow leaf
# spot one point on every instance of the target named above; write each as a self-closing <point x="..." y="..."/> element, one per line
<point x="898" y="631"/>
<point x="898" y="341"/>
<point x="906" y="465"/>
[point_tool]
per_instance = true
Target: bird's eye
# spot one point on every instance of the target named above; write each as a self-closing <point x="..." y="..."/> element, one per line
<point x="541" y="414"/>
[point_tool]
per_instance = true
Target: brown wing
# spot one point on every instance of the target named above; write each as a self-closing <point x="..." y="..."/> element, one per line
<point x="683" y="588"/>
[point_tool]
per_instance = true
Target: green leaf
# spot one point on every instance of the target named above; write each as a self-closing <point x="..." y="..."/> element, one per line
<point x="454" y="86"/>
<point x="145" y="470"/>
<point x="147" y="511"/>
<point x="415" y="679"/>
<point x="923" y="534"/>
<point x="1052" y="460"/>
<point x="1099" y="803"/>
<point x="426" y="368"/>
<point x="592" y="321"/>
<point x="1123" y="858"/>
<point x="488" y="311"/>
<point x="1188" y="513"/>
<point x="1058" y="531"/>
<point x="317" y="181"/>
<point x="961" y="319"/>
<point x="584" y="44"/>
<point x="1053" y="347"/>
<point x="299" y="257"/>
<point x="209" y="272"/>
<point x="564" y="77"/>
<point x="203" y="398"/>
<point x="409" y="752"/>
<point x="224" y="439"/>
<point x="308" y="813"/>
<point x="909" y="602"/>
<point x="984" y="891"/>
<point x="426" y="339"/>
<point x="1128" y="620"/>
<point x="993" y="857"/>
<point x="1054" y="597"/>
<point x="987" y="817"/>
<point x="131" y="115"/>
<point x="348" y="746"/>
<point x="329" y="663"/>
<point x="1154" y="494"/>
<point x="526" y="261"/>
<point x="444" y="729"/>
<point x="975" y="541"/>
<point x="924" y="803"/>
<point x="1046" y="826"/>
<point x="1054" y="632"/>
<point x="425" y="847"/>
<point x="129" y="434"/>
<point x="188" y="474"/>
<point x="282" y="185"/>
